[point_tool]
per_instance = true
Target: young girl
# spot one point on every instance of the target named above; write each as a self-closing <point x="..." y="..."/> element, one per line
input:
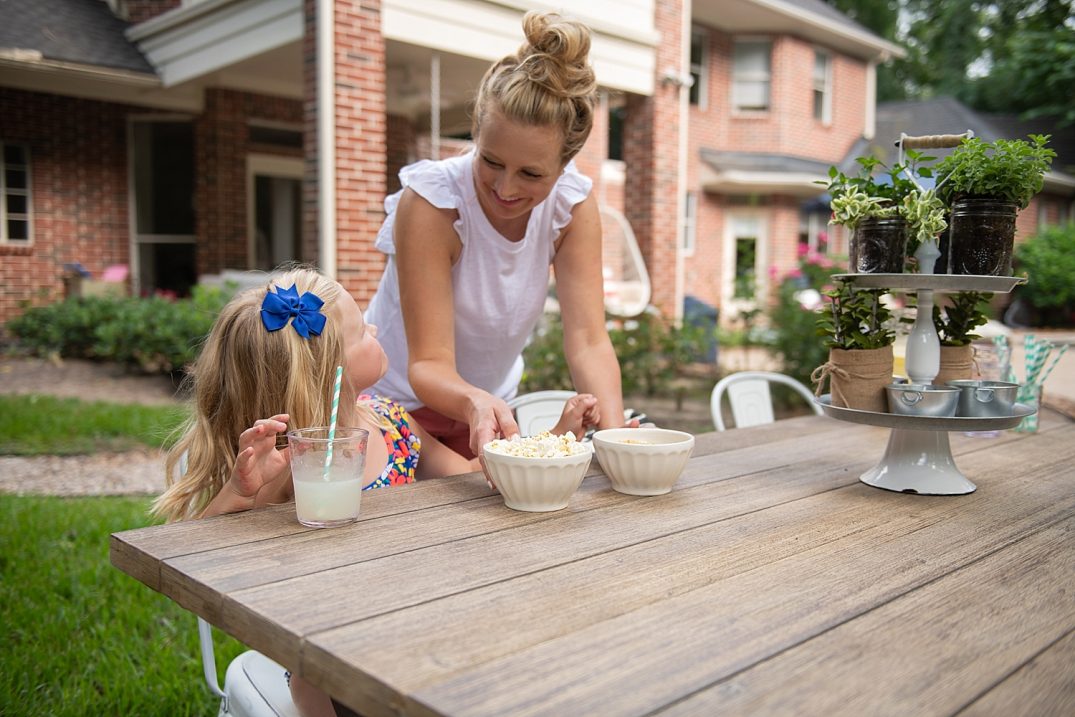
<point x="268" y="364"/>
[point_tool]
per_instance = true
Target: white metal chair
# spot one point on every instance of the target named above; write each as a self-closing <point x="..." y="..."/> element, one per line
<point x="750" y="399"/>
<point x="254" y="685"/>
<point x="538" y="411"/>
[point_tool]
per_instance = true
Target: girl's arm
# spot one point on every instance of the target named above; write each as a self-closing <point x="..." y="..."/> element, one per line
<point x="587" y="347"/>
<point x="427" y="247"/>
<point x="261" y="475"/>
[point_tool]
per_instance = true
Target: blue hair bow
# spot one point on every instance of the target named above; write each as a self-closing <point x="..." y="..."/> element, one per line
<point x="285" y="304"/>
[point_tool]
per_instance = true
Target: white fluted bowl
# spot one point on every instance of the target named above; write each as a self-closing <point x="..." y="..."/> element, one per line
<point x="643" y="461"/>
<point x="536" y="485"/>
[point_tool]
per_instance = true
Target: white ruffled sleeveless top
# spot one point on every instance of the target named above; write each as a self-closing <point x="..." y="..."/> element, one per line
<point x="499" y="286"/>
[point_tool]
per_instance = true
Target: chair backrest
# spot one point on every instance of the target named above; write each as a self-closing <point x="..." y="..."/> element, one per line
<point x="254" y="685"/>
<point x="750" y="399"/>
<point x="538" y="411"/>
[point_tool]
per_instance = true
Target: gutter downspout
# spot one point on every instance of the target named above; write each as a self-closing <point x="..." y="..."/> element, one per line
<point x="326" y="136"/>
<point x="681" y="160"/>
<point x="870" y="125"/>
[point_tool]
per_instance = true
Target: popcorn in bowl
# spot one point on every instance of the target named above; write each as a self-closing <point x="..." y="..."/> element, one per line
<point x="537" y="473"/>
<point x="543" y="445"/>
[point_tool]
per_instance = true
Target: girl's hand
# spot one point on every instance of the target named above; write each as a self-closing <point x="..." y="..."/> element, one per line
<point x="259" y="464"/>
<point x="580" y="412"/>
<point x="490" y="418"/>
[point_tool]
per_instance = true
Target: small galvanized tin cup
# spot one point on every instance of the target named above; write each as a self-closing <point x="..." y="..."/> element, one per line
<point x="985" y="399"/>
<point x="915" y="399"/>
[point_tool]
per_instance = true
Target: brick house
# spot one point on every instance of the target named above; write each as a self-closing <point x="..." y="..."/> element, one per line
<point x="187" y="137"/>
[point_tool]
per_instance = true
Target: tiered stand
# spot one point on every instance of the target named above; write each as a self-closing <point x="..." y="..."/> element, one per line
<point x="918" y="458"/>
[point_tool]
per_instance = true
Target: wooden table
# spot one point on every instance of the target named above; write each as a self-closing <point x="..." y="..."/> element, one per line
<point x="769" y="581"/>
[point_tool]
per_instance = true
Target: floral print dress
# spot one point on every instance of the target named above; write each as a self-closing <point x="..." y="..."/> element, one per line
<point x="403" y="444"/>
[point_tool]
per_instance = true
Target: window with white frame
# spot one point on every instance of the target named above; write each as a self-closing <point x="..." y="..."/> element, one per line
<point x="15" y="212"/>
<point x="699" y="38"/>
<point x="690" y="223"/>
<point x="822" y="86"/>
<point x="813" y="231"/>
<point x="751" y="75"/>
<point x="746" y="232"/>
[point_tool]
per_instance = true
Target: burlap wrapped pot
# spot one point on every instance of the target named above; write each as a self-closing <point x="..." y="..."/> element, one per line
<point x="956" y="364"/>
<point x="857" y="378"/>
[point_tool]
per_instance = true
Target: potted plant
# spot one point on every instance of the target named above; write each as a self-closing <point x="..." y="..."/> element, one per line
<point x="955" y="323"/>
<point x="985" y="184"/>
<point x="869" y="208"/>
<point x="856" y="326"/>
<point x="924" y="213"/>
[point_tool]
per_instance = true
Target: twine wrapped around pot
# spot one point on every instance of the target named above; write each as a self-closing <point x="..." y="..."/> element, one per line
<point x="957" y="363"/>
<point x="857" y="378"/>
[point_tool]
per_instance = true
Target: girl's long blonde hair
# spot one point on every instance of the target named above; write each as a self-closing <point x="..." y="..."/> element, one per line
<point x="246" y="372"/>
<point x="547" y="83"/>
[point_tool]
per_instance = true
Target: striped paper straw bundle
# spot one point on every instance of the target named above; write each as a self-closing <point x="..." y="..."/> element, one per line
<point x="332" y="420"/>
<point x="1004" y="356"/>
<point x="1037" y="355"/>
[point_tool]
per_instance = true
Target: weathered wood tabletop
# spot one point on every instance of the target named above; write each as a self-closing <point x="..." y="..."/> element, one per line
<point x="769" y="581"/>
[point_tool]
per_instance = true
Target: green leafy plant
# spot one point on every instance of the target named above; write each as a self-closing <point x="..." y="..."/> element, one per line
<point x="154" y="334"/>
<point x="924" y="213"/>
<point x="866" y="195"/>
<point x="855" y="319"/>
<point x="963" y="312"/>
<point x="793" y="318"/>
<point x="1009" y="170"/>
<point x="1048" y="258"/>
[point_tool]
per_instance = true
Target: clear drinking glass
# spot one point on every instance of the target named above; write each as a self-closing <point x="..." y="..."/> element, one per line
<point x="328" y="491"/>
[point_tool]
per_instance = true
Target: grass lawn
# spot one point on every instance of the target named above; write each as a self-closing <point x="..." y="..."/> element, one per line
<point x="44" y="425"/>
<point x="82" y="638"/>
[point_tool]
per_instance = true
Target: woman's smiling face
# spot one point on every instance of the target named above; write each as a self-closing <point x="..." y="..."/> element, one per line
<point x="515" y="167"/>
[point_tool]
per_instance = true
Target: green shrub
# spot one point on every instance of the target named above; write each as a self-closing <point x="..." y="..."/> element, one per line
<point x="651" y="350"/>
<point x="66" y="328"/>
<point x="793" y="319"/>
<point x="155" y="335"/>
<point x="1048" y="258"/>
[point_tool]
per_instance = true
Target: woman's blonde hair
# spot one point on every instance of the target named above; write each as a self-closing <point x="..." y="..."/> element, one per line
<point x="547" y="83"/>
<point x="246" y="372"/>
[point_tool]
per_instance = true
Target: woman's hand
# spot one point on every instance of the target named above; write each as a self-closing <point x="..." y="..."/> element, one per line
<point x="489" y="417"/>
<point x="259" y="464"/>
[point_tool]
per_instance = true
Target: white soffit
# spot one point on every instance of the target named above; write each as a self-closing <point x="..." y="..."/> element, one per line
<point x="785" y="17"/>
<point x="199" y="39"/>
<point x="799" y="184"/>
<point x="623" y="58"/>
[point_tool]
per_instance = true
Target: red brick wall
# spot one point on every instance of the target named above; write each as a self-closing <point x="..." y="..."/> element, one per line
<point x="651" y="143"/>
<point x="222" y="143"/>
<point x="361" y="138"/>
<point x="78" y="185"/>
<point x="141" y="10"/>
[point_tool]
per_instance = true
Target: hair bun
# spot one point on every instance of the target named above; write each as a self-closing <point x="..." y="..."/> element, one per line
<point x="566" y="41"/>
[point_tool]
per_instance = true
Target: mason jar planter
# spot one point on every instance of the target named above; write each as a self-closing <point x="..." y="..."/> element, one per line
<point x="878" y="246"/>
<point x="981" y="236"/>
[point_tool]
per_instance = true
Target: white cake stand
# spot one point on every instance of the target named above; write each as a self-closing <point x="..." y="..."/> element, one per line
<point x="918" y="458"/>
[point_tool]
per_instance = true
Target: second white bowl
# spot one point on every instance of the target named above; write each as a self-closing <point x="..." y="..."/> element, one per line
<point x="643" y="461"/>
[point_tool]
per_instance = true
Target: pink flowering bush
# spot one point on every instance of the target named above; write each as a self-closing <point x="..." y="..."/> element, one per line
<point x="800" y="300"/>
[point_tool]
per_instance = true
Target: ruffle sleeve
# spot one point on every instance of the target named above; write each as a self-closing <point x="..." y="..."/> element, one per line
<point x="432" y="181"/>
<point x="571" y="189"/>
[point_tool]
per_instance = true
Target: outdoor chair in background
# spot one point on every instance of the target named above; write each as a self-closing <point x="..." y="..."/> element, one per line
<point x="541" y="410"/>
<point x="750" y="398"/>
<point x="254" y="685"/>
<point x="538" y="411"/>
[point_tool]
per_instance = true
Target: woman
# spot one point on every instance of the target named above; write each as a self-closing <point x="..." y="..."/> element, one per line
<point x="470" y="241"/>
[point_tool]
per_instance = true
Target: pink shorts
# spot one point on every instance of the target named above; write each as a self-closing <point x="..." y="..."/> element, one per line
<point x="452" y="433"/>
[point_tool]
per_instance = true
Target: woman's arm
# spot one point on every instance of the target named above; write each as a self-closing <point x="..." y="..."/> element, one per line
<point x="427" y="247"/>
<point x="580" y="290"/>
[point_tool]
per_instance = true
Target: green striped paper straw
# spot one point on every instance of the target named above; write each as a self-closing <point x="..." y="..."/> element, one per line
<point x="1004" y="355"/>
<point x="332" y="420"/>
<point x="1059" y="354"/>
